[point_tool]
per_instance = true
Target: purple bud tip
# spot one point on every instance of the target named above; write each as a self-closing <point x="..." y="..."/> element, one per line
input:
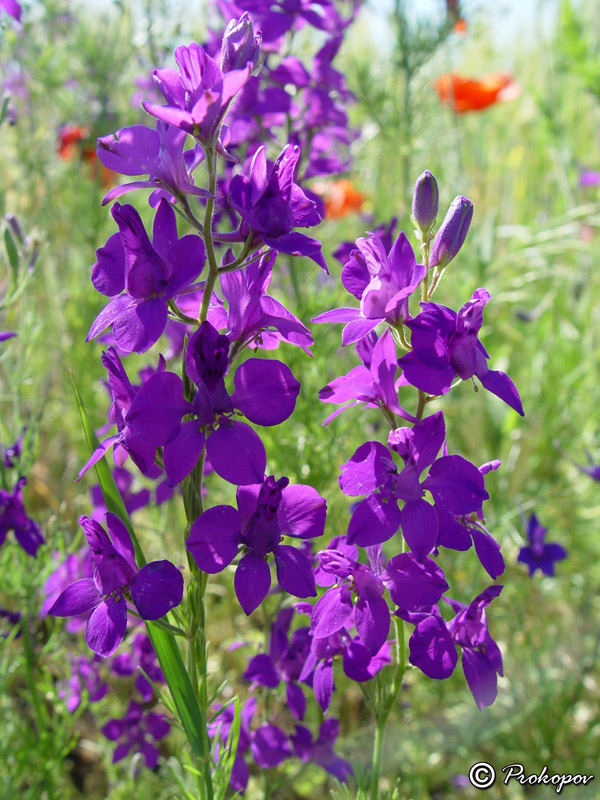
<point x="425" y="201"/>
<point x="240" y="44"/>
<point x="452" y="233"/>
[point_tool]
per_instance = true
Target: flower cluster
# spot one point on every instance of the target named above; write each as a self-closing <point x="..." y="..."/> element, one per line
<point x="202" y="279"/>
<point x="13" y="514"/>
<point x="413" y="489"/>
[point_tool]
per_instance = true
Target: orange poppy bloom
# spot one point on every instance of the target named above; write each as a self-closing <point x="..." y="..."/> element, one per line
<point x="460" y="26"/>
<point x="68" y="139"/>
<point x="341" y="198"/>
<point x="468" y="94"/>
<point x="70" y="145"/>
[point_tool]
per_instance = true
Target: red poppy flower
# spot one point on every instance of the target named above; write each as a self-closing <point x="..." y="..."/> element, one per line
<point x="340" y="197"/>
<point x="468" y="94"/>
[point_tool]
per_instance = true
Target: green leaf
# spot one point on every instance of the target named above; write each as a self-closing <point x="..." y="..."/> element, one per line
<point x="164" y="643"/>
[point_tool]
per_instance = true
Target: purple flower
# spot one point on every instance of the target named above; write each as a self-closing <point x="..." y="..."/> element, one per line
<point x="199" y="94"/>
<point x="274" y="19"/>
<point x="139" y="150"/>
<point x="265" y="513"/>
<point x="13" y="517"/>
<point x="373" y="383"/>
<point x="445" y="344"/>
<point x="140" y="657"/>
<point x="139" y="731"/>
<point x="434" y="642"/>
<point x="593" y="470"/>
<point x="254" y="318"/>
<point x="4" y="335"/>
<point x="265" y="391"/>
<point x="149" y="275"/>
<point x="154" y="589"/>
<point x="10" y="455"/>
<point x="268" y="744"/>
<point x="456" y="485"/>
<point x="85" y="676"/>
<point x="460" y="531"/>
<point x="271" y="204"/>
<point x="384" y="232"/>
<point x="539" y="554"/>
<point x="358" y="663"/>
<point x="123" y="393"/>
<point x="383" y="282"/>
<point x="284" y="661"/>
<point x="320" y="751"/>
<point x="589" y="177"/>
<point x="355" y="598"/>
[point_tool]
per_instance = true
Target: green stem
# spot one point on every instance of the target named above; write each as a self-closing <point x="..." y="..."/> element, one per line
<point x="382" y="715"/>
<point x="213" y="269"/>
<point x="377" y="753"/>
<point x="421" y="404"/>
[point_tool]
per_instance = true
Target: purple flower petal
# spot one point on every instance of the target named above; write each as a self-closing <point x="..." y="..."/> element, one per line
<point x="106" y="626"/>
<point x="481" y="677"/>
<point x="501" y="385"/>
<point x="265" y="391"/>
<point x="376" y="519"/>
<point x="140" y="325"/>
<point x="323" y="683"/>
<point x="108" y="273"/>
<point x="296" y="700"/>
<point x="214" y="538"/>
<point x="294" y="571"/>
<point x="372" y="620"/>
<point x="269" y="746"/>
<point x="415" y="584"/>
<point x="369" y="468"/>
<point x="252" y="581"/>
<point x="457" y="485"/>
<point x="261" y="670"/>
<point x="155" y="414"/>
<point x="237" y="453"/>
<point x="78" y="598"/>
<point x="302" y="512"/>
<point x="181" y="454"/>
<point x="488" y="552"/>
<point x="156" y="589"/>
<point x="420" y="527"/>
<point x="432" y="648"/>
<point x="332" y="612"/>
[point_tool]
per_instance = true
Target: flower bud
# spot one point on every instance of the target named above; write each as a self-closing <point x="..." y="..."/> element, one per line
<point x="240" y="44"/>
<point x="452" y="233"/>
<point x="425" y="202"/>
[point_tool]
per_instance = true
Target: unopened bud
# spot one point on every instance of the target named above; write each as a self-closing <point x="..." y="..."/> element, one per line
<point x="240" y="44"/>
<point x="452" y="232"/>
<point x="425" y="202"/>
<point x="13" y="222"/>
